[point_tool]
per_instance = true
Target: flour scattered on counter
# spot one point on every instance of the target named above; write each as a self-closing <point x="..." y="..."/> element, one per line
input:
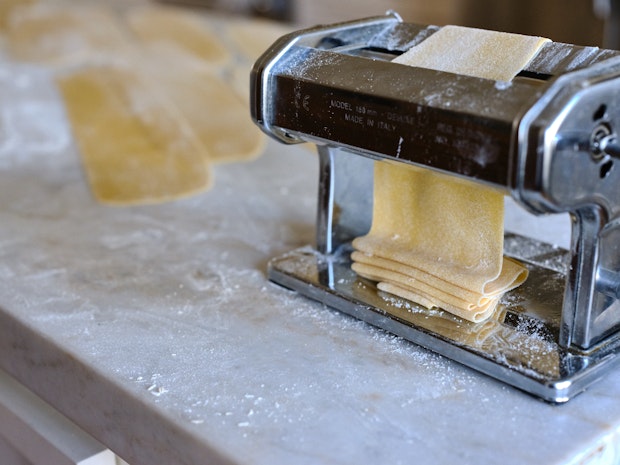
<point x="137" y="237"/>
<point x="157" y="390"/>
<point x="32" y="119"/>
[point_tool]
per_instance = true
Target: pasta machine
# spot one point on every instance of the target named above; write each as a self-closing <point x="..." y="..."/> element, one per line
<point x="548" y="138"/>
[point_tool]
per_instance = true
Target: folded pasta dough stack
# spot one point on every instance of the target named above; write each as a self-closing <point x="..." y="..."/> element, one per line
<point x="435" y="239"/>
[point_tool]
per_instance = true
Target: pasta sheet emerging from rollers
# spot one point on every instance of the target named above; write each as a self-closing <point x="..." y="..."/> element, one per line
<point x="435" y="239"/>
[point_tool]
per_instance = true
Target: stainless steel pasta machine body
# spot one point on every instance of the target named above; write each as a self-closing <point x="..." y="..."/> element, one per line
<point x="548" y="138"/>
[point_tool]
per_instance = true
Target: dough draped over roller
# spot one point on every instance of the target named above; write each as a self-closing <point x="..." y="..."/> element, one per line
<point x="437" y="240"/>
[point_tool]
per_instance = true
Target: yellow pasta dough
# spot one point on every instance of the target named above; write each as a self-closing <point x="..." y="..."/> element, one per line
<point x="253" y="37"/>
<point x="60" y="35"/>
<point x="133" y="148"/>
<point x="169" y="28"/>
<point x="474" y="52"/>
<point x="149" y="111"/>
<point x="213" y="112"/>
<point x="250" y="39"/>
<point x="7" y="7"/>
<point x="435" y="239"/>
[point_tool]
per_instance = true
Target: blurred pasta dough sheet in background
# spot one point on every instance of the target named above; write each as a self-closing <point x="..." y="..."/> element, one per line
<point x="115" y="61"/>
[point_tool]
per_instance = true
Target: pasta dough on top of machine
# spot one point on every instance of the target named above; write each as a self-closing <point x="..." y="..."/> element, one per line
<point x="435" y="239"/>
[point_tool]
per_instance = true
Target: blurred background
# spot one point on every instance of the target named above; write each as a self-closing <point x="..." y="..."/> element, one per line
<point x="582" y="22"/>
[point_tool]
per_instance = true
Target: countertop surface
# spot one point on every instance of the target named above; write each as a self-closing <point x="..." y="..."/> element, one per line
<point x="156" y="330"/>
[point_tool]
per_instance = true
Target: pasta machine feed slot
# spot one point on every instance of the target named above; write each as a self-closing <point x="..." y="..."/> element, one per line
<point x="548" y="138"/>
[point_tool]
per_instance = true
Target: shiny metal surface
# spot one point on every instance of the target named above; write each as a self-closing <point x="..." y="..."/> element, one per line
<point x="566" y="163"/>
<point x="458" y="124"/>
<point x="345" y="198"/>
<point x="517" y="346"/>
<point x="547" y="138"/>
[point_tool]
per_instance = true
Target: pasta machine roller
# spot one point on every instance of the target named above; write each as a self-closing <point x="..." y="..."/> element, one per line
<point x="548" y="138"/>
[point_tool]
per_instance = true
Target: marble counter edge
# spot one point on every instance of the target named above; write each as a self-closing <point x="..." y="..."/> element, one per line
<point x="123" y="422"/>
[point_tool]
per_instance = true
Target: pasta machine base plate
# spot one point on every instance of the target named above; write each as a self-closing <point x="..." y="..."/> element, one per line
<point x="517" y="345"/>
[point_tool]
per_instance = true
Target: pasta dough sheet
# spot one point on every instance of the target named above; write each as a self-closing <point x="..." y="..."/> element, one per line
<point x="435" y="239"/>
<point x="178" y="31"/>
<point x="7" y="8"/>
<point x="213" y="112"/>
<point x="133" y="148"/>
<point x="145" y="94"/>
<point x="252" y="38"/>
<point x="61" y="35"/>
<point x="474" y="52"/>
<point x="442" y="323"/>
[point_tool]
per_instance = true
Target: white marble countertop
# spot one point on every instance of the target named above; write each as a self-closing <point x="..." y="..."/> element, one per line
<point x="155" y="329"/>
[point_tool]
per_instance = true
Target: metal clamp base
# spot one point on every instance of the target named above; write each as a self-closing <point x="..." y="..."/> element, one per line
<point x="517" y="346"/>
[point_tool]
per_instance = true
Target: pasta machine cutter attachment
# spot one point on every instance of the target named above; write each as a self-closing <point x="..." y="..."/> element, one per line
<point x="549" y="139"/>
